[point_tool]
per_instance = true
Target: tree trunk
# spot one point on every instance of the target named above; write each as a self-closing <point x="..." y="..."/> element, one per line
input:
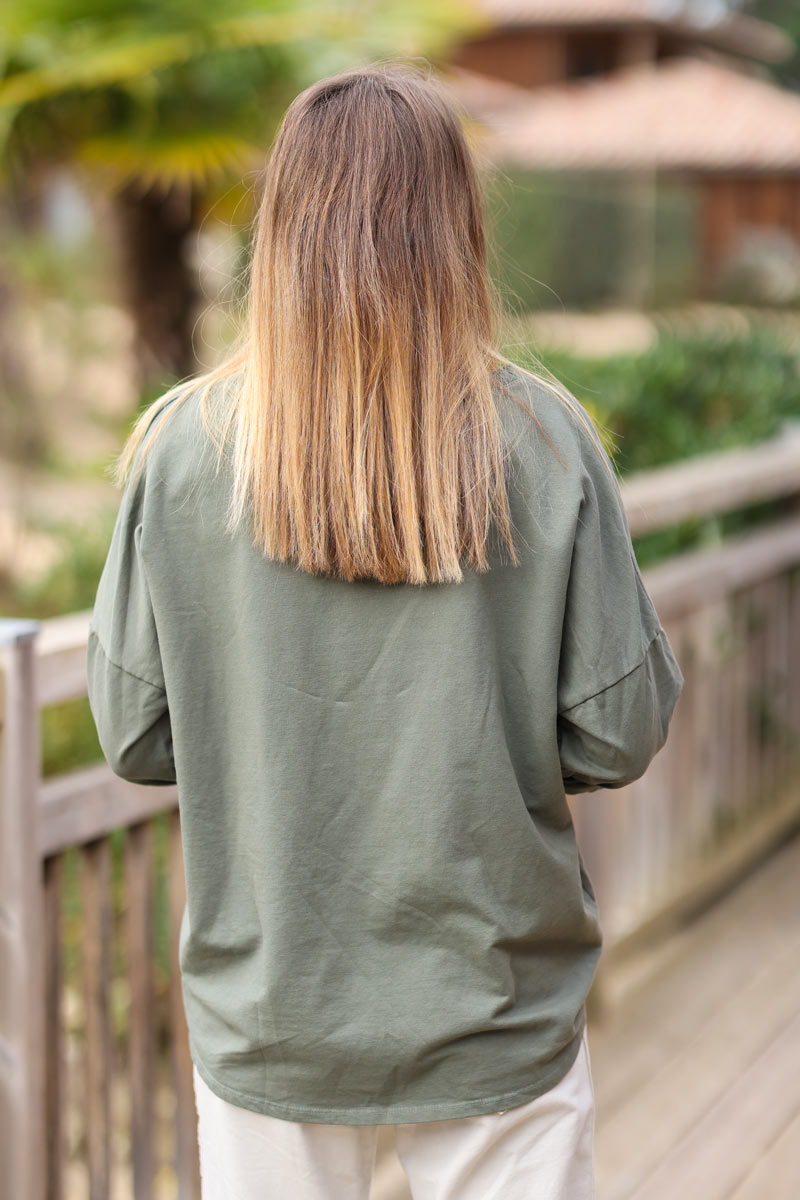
<point x="24" y="426"/>
<point x="161" y="290"/>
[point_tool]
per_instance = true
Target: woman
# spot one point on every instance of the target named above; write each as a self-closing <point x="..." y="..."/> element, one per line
<point x="376" y="638"/>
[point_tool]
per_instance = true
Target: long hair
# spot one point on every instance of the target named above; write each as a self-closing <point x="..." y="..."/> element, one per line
<point x="366" y="439"/>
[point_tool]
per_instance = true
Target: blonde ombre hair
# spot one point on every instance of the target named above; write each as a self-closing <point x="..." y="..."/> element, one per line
<point x="367" y="444"/>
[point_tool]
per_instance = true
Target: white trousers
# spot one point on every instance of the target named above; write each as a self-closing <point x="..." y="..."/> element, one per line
<point x="541" y="1150"/>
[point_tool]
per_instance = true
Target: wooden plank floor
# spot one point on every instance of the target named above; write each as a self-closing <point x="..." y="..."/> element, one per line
<point x="696" y="1065"/>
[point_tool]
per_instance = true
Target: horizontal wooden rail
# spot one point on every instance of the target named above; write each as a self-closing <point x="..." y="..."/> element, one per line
<point x="89" y="803"/>
<point x="698" y="577"/>
<point x="715" y="483"/>
<point x="61" y="658"/>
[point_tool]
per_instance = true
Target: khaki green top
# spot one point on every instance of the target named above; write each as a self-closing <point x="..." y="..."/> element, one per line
<point x="388" y="919"/>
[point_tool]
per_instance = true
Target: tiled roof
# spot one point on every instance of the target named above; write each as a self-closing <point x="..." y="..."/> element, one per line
<point x="684" y="113"/>
<point x="730" y="31"/>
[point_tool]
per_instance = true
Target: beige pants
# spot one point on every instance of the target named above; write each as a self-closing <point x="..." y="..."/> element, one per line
<point x="541" y="1150"/>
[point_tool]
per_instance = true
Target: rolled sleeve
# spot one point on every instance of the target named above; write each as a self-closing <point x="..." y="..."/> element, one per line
<point x="619" y="680"/>
<point x="610" y="739"/>
<point x="132" y="720"/>
<point x="124" y="674"/>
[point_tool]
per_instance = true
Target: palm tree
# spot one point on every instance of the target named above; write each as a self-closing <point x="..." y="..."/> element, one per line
<point x="169" y="107"/>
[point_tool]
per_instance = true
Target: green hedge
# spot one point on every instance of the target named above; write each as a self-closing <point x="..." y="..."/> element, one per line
<point x="686" y="396"/>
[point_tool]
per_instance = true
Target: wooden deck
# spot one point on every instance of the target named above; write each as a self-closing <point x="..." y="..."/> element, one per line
<point x="697" y="1063"/>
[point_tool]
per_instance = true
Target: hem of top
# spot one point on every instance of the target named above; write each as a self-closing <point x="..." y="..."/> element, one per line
<point x="396" y="1114"/>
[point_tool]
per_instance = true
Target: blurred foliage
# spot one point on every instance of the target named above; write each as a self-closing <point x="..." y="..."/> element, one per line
<point x="70" y="585"/>
<point x="69" y="737"/>
<point x="558" y="238"/>
<point x="76" y="275"/>
<point x="181" y="92"/>
<point x="686" y="395"/>
<point x="786" y="14"/>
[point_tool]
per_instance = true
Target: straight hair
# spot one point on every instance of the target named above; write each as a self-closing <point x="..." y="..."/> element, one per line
<point x="366" y="439"/>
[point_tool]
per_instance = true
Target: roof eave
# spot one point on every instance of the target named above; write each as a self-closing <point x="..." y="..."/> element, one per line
<point x="741" y="34"/>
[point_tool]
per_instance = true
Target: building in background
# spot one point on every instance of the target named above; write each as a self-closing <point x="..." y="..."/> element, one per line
<point x="652" y="92"/>
<point x="534" y="43"/>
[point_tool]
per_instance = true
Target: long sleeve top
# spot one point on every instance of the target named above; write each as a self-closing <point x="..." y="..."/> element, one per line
<point x="388" y="918"/>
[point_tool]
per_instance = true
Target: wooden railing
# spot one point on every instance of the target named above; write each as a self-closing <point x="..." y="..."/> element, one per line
<point x="727" y="784"/>
<point x="84" y="1101"/>
<point x="95" y="1075"/>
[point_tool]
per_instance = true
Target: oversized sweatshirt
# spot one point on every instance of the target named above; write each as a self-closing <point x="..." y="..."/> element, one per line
<point x="388" y="918"/>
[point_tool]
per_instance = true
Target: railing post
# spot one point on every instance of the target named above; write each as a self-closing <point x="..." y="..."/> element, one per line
<point x="22" y="993"/>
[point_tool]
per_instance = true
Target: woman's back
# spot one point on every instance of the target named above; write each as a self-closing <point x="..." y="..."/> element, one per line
<point x="387" y="918"/>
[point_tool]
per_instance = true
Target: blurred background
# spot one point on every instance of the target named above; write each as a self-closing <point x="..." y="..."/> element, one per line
<point x="642" y="170"/>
